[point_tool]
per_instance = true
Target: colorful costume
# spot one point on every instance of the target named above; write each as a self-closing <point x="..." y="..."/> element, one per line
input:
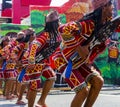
<point x="41" y="68"/>
<point x="2" y="65"/>
<point x="23" y="53"/>
<point x="9" y="71"/>
<point x="75" y="34"/>
<point x="18" y="52"/>
<point x="2" y="62"/>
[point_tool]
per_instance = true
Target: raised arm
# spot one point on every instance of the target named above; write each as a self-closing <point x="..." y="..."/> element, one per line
<point x="83" y="27"/>
<point x="36" y="46"/>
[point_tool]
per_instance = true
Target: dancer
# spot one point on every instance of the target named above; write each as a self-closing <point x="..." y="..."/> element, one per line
<point x="9" y="70"/>
<point x="48" y="37"/>
<point x="4" y="42"/>
<point x="79" y="71"/>
<point x="25" y="38"/>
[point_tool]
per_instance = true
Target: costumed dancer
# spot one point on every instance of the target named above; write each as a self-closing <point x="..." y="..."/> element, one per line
<point x="9" y="71"/>
<point x="17" y="53"/>
<point x="3" y="43"/>
<point x="26" y="38"/>
<point x="47" y="38"/>
<point x="79" y="69"/>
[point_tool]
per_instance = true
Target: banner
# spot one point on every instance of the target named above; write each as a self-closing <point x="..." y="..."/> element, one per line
<point x="6" y="8"/>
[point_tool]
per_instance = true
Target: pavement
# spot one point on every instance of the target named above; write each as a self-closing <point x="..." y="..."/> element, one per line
<point x="110" y="87"/>
<point x="109" y="97"/>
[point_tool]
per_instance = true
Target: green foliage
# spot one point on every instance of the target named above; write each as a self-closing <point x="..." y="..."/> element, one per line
<point x="37" y="17"/>
<point x="110" y="71"/>
<point x="118" y="12"/>
<point x="62" y="18"/>
<point x="5" y="28"/>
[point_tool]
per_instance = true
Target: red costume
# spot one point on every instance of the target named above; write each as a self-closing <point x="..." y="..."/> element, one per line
<point x="42" y="68"/>
<point x="74" y="34"/>
<point x="80" y="71"/>
<point x="10" y="71"/>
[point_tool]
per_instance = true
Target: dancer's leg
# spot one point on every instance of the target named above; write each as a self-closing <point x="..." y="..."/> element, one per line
<point x="46" y="88"/>
<point x="22" y="90"/>
<point x="31" y="97"/>
<point x="9" y="84"/>
<point x="79" y="97"/>
<point x="1" y="90"/>
<point x="96" y="85"/>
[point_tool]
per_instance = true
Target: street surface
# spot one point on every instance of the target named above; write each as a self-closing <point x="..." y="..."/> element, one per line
<point x="109" y="97"/>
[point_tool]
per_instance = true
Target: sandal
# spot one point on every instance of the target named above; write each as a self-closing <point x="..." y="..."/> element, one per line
<point x="37" y="105"/>
<point x="20" y="103"/>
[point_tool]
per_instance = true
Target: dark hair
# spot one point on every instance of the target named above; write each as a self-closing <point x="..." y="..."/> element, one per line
<point x="96" y="16"/>
<point x="3" y="40"/>
<point x="26" y="38"/>
<point x="109" y="3"/>
<point x="52" y="29"/>
<point x="11" y="34"/>
<point x="20" y="36"/>
<point x="20" y="39"/>
<point x="29" y="32"/>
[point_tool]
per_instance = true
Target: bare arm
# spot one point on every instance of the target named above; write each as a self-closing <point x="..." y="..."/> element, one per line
<point x="83" y="51"/>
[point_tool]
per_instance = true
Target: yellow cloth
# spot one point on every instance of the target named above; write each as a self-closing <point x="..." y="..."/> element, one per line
<point x="1" y="91"/>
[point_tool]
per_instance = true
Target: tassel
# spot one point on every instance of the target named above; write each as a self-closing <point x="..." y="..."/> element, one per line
<point x="21" y="75"/>
<point x="68" y="70"/>
<point x="4" y="65"/>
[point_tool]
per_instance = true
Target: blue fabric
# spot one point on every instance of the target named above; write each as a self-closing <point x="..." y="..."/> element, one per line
<point x="21" y="75"/>
<point x="67" y="72"/>
<point x="4" y="65"/>
<point x="74" y="56"/>
<point x="68" y="69"/>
